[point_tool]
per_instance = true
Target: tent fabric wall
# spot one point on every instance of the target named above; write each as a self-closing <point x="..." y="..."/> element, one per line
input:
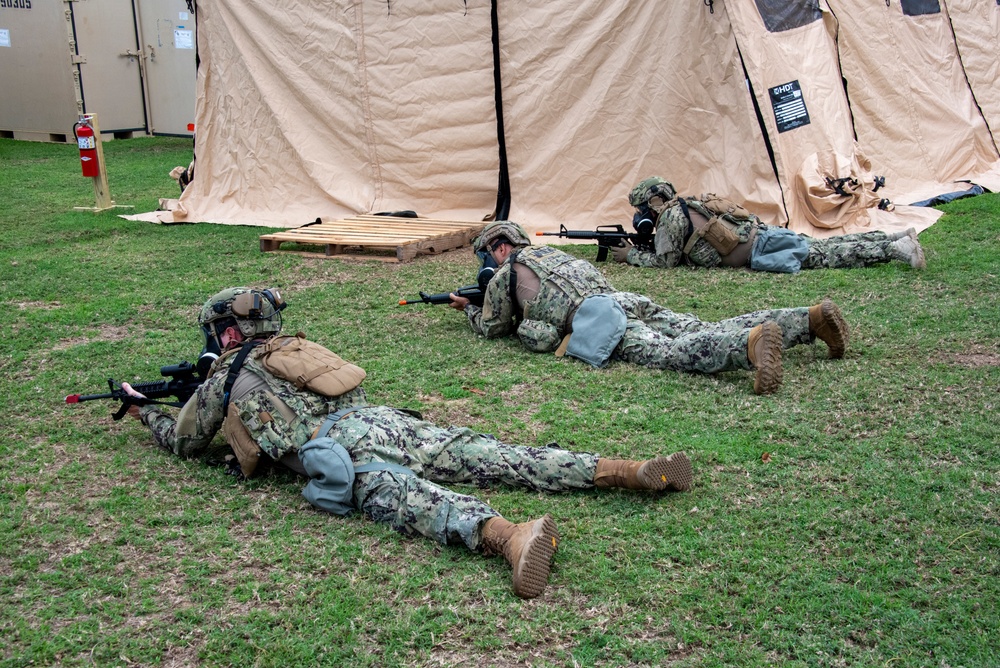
<point x="326" y="109"/>
<point x="977" y="33"/>
<point x="599" y="94"/>
<point x="913" y="110"/>
<point x="792" y="63"/>
<point x="314" y="108"/>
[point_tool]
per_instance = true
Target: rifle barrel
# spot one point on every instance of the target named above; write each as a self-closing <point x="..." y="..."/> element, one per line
<point x="77" y="398"/>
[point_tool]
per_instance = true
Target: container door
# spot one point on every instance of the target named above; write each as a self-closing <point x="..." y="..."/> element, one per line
<point x="110" y="64"/>
<point x="167" y="33"/>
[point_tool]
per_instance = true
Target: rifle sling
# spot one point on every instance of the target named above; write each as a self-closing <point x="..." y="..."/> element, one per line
<point x="234" y="371"/>
<point x="512" y="289"/>
<point x="690" y="227"/>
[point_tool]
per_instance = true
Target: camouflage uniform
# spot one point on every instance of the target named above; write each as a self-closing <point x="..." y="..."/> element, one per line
<point x="410" y="504"/>
<point x="849" y="251"/>
<point x="655" y="336"/>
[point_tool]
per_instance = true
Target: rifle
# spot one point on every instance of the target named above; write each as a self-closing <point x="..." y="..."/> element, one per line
<point x="184" y="380"/>
<point x="473" y="293"/>
<point x="607" y="236"/>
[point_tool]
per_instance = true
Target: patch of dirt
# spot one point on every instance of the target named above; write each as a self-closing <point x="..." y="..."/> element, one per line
<point x="974" y="356"/>
<point x="106" y="333"/>
<point x="973" y="360"/>
<point x="441" y="411"/>
<point x="41" y="306"/>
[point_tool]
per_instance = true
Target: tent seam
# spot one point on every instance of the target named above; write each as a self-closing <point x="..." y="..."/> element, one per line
<point x="366" y="110"/>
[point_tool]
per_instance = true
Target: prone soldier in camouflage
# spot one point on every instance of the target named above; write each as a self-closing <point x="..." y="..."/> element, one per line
<point x="682" y="235"/>
<point x="272" y="419"/>
<point x="537" y="290"/>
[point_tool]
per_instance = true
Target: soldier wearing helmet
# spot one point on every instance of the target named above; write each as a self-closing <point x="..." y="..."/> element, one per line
<point x="382" y="461"/>
<point x="710" y="231"/>
<point x="554" y="302"/>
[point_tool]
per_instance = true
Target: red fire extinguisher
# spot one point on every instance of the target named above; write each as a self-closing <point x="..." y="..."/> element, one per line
<point x="88" y="148"/>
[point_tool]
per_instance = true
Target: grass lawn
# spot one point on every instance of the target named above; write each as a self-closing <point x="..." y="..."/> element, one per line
<point x="868" y="536"/>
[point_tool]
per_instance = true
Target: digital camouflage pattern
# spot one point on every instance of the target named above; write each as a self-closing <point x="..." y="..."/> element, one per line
<point x="501" y="228"/>
<point x="655" y="336"/>
<point x="659" y="338"/>
<point x="260" y="410"/>
<point x="418" y="504"/>
<point x="565" y="282"/>
<point x="281" y="419"/>
<point x="644" y="190"/>
<point x="850" y="251"/>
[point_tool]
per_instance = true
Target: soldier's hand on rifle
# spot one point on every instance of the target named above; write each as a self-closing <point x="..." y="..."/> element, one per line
<point x="620" y="252"/>
<point x="132" y="410"/>
<point x="457" y="303"/>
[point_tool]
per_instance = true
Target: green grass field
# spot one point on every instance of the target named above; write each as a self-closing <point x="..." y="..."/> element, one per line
<point x="870" y="536"/>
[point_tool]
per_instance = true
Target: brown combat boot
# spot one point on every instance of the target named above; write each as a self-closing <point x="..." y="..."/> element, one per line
<point x="528" y="548"/>
<point x="764" y="351"/>
<point x="659" y="473"/>
<point x="827" y="324"/>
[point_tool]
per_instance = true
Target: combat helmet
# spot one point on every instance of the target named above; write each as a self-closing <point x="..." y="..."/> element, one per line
<point x="254" y="312"/>
<point x="647" y="188"/>
<point x="501" y="228"/>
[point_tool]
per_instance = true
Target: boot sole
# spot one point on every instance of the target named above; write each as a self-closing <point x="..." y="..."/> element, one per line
<point x="769" y="371"/>
<point x="836" y="331"/>
<point x="532" y="573"/>
<point x="918" y="261"/>
<point x="673" y="472"/>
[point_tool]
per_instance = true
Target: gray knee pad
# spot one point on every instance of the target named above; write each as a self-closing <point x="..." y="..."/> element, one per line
<point x="331" y="473"/>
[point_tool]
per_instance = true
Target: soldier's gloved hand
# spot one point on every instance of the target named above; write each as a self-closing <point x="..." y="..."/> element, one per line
<point x="620" y="253"/>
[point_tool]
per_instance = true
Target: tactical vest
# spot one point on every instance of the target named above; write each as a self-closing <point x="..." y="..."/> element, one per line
<point x="272" y="414"/>
<point x="565" y="282"/>
<point x="716" y="221"/>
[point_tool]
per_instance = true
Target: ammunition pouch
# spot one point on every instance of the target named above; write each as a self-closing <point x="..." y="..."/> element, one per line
<point x="247" y="451"/>
<point x="716" y="219"/>
<point x="538" y="336"/>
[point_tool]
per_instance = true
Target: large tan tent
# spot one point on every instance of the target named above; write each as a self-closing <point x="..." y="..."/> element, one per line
<point x="977" y="35"/>
<point x="915" y="112"/>
<point x="549" y="113"/>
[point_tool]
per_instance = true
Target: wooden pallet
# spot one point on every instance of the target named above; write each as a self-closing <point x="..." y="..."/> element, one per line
<point x="370" y="237"/>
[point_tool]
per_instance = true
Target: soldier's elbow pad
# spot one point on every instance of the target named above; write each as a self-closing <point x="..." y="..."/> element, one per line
<point x="538" y="336"/>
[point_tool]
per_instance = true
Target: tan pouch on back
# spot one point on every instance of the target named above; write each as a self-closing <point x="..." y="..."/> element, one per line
<point x="246" y="449"/>
<point x="715" y="230"/>
<point x="720" y="234"/>
<point x="309" y="365"/>
<point x="722" y="206"/>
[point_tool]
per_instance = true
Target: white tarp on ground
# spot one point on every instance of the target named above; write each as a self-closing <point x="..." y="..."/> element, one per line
<point x="313" y="108"/>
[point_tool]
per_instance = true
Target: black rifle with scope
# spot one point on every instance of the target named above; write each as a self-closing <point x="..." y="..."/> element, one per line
<point x="185" y="378"/>
<point x="607" y="236"/>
